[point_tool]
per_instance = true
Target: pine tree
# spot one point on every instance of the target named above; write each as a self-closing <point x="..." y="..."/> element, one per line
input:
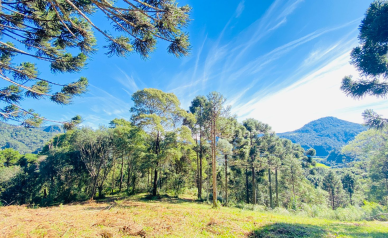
<point x="254" y="129"/>
<point x="197" y="108"/>
<point x="349" y="184"/>
<point x="370" y="59"/>
<point x="332" y="184"/>
<point x="49" y="30"/>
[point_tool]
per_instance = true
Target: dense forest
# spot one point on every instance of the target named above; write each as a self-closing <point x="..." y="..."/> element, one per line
<point x="164" y="149"/>
<point x="200" y="154"/>
<point x="26" y="140"/>
<point x="324" y="135"/>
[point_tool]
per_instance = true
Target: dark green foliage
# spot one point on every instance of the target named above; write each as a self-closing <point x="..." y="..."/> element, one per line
<point x="9" y="157"/>
<point x="370" y="59"/>
<point x="25" y="140"/>
<point x="338" y="159"/>
<point x="379" y="176"/>
<point x="332" y="184"/>
<point x="374" y="120"/>
<point x="60" y="32"/>
<point x="249" y="163"/>
<point x="285" y="230"/>
<point x="324" y="134"/>
<point x="349" y="184"/>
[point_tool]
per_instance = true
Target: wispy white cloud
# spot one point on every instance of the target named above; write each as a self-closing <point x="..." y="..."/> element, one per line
<point x="224" y="61"/>
<point x="252" y="77"/>
<point x="314" y="96"/>
<point x="126" y="81"/>
<point x="105" y="107"/>
<point x="240" y="8"/>
<point x="217" y="68"/>
<point x="274" y="17"/>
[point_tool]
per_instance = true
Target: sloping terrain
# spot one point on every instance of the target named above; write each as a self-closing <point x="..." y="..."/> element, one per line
<point x="26" y="140"/>
<point x="324" y="134"/>
<point x="170" y="218"/>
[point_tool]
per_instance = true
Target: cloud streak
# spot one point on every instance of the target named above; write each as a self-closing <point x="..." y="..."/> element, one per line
<point x="266" y="69"/>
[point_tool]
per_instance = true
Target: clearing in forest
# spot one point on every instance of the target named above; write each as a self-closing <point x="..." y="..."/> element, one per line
<point x="169" y="217"/>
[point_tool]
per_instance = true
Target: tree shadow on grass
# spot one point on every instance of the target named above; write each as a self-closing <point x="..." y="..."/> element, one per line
<point x="168" y="199"/>
<point x="285" y="230"/>
<point x="355" y="230"/>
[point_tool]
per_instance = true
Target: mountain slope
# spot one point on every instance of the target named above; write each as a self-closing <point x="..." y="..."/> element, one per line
<point x="25" y="140"/>
<point x="324" y="134"/>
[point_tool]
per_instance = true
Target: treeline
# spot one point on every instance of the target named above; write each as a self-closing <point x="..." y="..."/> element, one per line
<point x="165" y="149"/>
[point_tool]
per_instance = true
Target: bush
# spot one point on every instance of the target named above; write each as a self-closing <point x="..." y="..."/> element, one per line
<point x="372" y="208"/>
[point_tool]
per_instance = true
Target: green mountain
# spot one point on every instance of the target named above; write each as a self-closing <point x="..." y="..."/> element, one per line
<point x="26" y="140"/>
<point x="325" y="134"/>
<point x="53" y="129"/>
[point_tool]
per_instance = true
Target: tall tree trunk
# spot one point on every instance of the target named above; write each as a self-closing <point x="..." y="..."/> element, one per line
<point x="293" y="190"/>
<point x="100" y="195"/>
<point x="113" y="175"/>
<point x="386" y="185"/>
<point x="155" y="189"/>
<point x="200" y="164"/>
<point x="197" y="174"/>
<point x="246" y="184"/>
<point x="95" y="183"/>
<point x="121" y="172"/>
<point x="350" y="196"/>
<point x="133" y="184"/>
<point x="214" y="167"/>
<point x="226" y="179"/>
<point x="253" y="174"/>
<point x="277" y="187"/>
<point x="160" y="181"/>
<point x="129" y="175"/>
<point x="152" y="178"/>
<point x="155" y="182"/>
<point x="270" y="188"/>
<point x="253" y="185"/>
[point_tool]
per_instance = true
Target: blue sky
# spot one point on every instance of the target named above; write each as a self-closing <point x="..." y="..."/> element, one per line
<point x="280" y="62"/>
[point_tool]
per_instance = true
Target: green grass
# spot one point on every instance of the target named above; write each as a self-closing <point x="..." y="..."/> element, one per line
<point x="322" y="165"/>
<point x="170" y="217"/>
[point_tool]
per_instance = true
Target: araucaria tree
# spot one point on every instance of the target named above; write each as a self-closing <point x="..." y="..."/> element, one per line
<point x="165" y="149"/>
<point x="349" y="185"/>
<point x="214" y="110"/>
<point x="60" y="32"/>
<point x="332" y="184"/>
<point x="158" y="113"/>
<point x="226" y="149"/>
<point x="198" y="107"/>
<point x="370" y="59"/>
<point x="254" y="128"/>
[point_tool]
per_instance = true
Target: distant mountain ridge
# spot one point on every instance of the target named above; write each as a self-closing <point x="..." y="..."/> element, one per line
<point x="26" y="140"/>
<point x="53" y="129"/>
<point x="325" y="134"/>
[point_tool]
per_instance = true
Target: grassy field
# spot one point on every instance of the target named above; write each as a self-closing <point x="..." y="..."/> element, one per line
<point x="169" y="217"/>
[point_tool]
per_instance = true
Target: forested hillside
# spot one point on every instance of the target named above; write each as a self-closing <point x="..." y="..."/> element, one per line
<point x="324" y="134"/>
<point x="26" y="140"/>
<point x="175" y="147"/>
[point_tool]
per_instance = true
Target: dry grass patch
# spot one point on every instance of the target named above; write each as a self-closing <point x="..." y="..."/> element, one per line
<point x="175" y="218"/>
